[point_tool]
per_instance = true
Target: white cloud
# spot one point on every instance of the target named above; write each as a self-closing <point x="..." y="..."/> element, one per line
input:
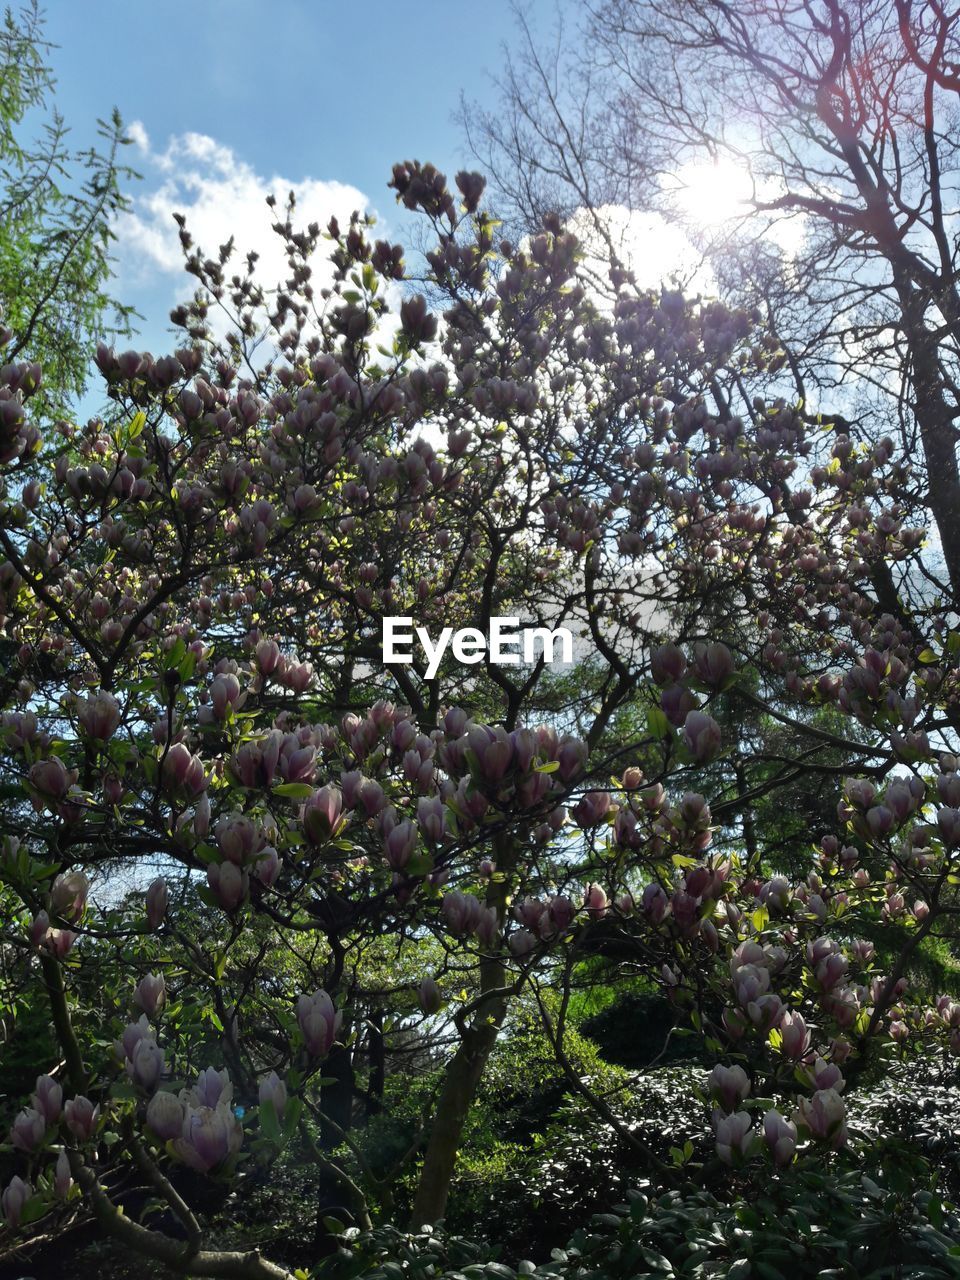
<point x="221" y="195"/>
<point x="138" y="136"/>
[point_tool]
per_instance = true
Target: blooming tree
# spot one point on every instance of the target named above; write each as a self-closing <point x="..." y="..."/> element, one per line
<point x="192" y="595"/>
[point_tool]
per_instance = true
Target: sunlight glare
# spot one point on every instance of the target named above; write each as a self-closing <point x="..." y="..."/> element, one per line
<point x="708" y="193"/>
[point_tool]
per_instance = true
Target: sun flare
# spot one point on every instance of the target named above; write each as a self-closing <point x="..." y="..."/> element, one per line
<point x="708" y="193"/>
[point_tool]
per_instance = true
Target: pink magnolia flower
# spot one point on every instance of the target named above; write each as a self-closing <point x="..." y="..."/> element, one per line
<point x="184" y="771"/>
<point x="68" y="895"/>
<point x="273" y="1090"/>
<point x="728" y="1085"/>
<point x="528" y="912"/>
<point x="735" y="1137"/>
<point x="400" y="844"/>
<point x="81" y="1117"/>
<point x="702" y="735"/>
<point x="165" y="1115"/>
<point x="225" y="695"/>
<point x="667" y="664"/>
<point x="321" y="815"/>
<point x="28" y="1130"/>
<point x="714" y="664"/>
<point x="827" y="1075"/>
<point x="267" y="867"/>
<point x="825" y="1116"/>
<point x="429" y="996"/>
<point x="59" y="942"/>
<point x="51" y="777"/>
<point x="572" y="755"/>
<point x="99" y="716"/>
<point x="521" y="942"/>
<point x="212" y="1088"/>
<point x="319" y="1022"/>
<point x="39" y="928"/>
<point x="230" y="885"/>
<point x="461" y="912"/>
<point x="145" y="1065"/>
<point x="592" y="809"/>
<point x="14" y="1200"/>
<point x="48" y="1099"/>
<point x="151" y="994"/>
<point x="209" y="1136"/>
<point x="780" y="1135"/>
<point x="654" y="903"/>
<point x="794" y="1035"/>
<point x="238" y="838"/>
<point x="596" y="901"/>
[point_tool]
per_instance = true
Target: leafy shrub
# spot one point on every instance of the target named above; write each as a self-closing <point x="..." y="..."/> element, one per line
<point x="578" y="1165"/>
<point x="829" y="1224"/>
<point x="638" y="1029"/>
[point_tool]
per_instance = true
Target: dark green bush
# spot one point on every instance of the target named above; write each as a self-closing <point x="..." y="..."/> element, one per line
<point x="638" y="1029"/>
<point x="829" y="1224"/>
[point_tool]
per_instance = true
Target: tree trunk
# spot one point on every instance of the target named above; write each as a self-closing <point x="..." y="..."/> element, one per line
<point x="465" y="1070"/>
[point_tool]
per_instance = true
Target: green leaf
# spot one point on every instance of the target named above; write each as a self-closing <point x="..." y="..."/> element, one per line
<point x="657" y="723"/>
<point x="269" y="1124"/>
<point x="293" y="790"/>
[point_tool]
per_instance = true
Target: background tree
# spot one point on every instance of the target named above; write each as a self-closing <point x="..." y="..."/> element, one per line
<point x="57" y="211"/>
<point x="843" y="116"/>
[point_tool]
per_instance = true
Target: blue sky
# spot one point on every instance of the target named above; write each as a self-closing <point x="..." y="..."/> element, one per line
<point x="233" y="99"/>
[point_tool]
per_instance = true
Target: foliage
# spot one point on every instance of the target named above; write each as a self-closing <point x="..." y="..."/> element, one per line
<point x="812" y="1222"/>
<point x="57" y="213"/>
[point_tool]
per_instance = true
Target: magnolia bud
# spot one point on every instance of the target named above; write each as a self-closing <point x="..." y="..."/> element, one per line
<point x="429" y="996"/>
<point x="273" y="1090"/>
<point x="780" y="1135"/>
<point x="145" y="1066"/>
<point x="62" y="1179"/>
<point x="157" y="901"/>
<point x="39" y="928"/>
<point x="14" y="1199"/>
<point x="165" y="1114"/>
<point x="150" y="994"/>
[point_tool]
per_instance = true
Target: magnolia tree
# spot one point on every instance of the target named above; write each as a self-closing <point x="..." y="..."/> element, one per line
<point x="191" y="602"/>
